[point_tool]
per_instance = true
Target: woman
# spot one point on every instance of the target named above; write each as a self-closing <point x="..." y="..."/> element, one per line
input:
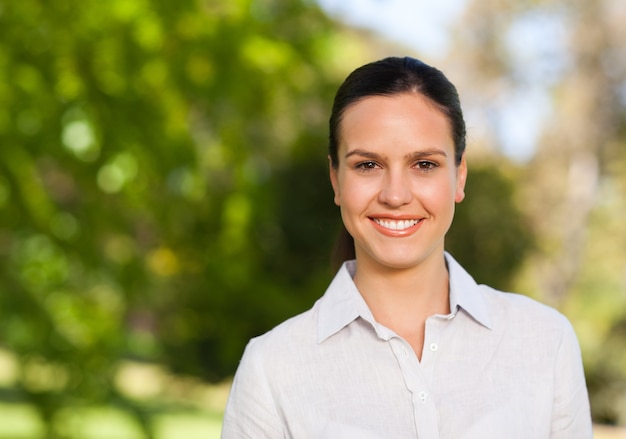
<point x="404" y="343"/>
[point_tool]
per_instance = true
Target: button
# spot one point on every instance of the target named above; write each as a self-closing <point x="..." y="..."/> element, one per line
<point x="405" y="351"/>
<point x="423" y="396"/>
<point x="434" y="347"/>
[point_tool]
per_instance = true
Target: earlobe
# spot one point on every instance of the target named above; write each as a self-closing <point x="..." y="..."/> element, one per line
<point x="333" y="180"/>
<point x="460" y="195"/>
<point x="461" y="178"/>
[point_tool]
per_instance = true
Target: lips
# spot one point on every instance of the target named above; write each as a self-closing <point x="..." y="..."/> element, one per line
<point x="396" y="224"/>
<point x="396" y="228"/>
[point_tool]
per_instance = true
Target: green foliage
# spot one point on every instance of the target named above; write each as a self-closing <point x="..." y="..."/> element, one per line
<point x="143" y="146"/>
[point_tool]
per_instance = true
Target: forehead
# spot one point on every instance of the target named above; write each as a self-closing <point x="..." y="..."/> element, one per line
<point x="403" y="120"/>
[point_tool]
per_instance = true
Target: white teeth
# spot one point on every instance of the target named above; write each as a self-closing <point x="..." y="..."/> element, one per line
<point x="396" y="225"/>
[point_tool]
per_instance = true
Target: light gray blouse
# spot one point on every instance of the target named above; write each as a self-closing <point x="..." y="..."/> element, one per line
<point x="500" y="365"/>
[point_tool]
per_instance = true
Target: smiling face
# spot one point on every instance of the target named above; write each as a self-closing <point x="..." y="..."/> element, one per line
<point x="396" y="181"/>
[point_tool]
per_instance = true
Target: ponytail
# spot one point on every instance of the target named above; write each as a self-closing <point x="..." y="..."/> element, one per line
<point x="343" y="250"/>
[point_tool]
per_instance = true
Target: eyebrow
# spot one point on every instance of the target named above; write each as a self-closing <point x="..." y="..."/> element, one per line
<point x="414" y="155"/>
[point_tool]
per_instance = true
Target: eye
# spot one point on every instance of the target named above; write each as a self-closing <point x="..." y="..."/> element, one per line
<point x="366" y="166"/>
<point x="426" y="165"/>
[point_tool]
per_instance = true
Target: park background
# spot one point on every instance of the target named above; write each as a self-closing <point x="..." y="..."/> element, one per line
<point x="164" y="192"/>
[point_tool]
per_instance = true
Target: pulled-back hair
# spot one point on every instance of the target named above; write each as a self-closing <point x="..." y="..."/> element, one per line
<point x="388" y="77"/>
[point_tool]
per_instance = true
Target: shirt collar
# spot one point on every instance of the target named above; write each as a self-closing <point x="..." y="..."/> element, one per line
<point x="465" y="293"/>
<point x="342" y="303"/>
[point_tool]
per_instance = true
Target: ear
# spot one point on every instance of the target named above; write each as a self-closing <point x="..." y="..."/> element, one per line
<point x="334" y="180"/>
<point x="461" y="178"/>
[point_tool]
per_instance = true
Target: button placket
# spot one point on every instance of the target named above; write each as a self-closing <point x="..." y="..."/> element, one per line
<point x="417" y="383"/>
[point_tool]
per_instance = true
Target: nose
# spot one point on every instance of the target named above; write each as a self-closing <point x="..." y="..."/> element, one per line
<point x="396" y="189"/>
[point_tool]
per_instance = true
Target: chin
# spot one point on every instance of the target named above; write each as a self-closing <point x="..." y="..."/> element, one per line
<point x="403" y="263"/>
<point x="396" y="257"/>
<point x="404" y="260"/>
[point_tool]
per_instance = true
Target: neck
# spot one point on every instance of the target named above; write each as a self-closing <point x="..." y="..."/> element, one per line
<point x="422" y="284"/>
<point x="402" y="300"/>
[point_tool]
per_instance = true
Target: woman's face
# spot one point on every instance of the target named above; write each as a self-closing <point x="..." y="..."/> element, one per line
<point x="397" y="181"/>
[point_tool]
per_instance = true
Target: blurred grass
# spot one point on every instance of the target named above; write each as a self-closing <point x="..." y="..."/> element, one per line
<point x="186" y="407"/>
<point x="20" y="421"/>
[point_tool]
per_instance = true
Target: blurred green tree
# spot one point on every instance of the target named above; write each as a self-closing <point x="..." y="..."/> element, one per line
<point x="143" y="145"/>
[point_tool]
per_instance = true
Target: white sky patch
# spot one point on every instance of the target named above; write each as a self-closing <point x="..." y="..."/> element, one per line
<point x="520" y="123"/>
<point x="422" y="25"/>
<point x="538" y="41"/>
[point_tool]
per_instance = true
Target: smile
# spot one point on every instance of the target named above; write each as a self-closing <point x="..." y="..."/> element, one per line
<point x="396" y="225"/>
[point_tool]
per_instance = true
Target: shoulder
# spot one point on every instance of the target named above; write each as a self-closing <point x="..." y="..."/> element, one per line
<point x="515" y="302"/>
<point x="502" y="311"/>
<point x="298" y="331"/>
<point x="301" y="334"/>
<point x="275" y="360"/>
<point x="513" y="310"/>
<point x="260" y="379"/>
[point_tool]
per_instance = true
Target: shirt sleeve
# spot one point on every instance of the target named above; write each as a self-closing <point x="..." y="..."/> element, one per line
<point x="571" y="415"/>
<point x="251" y="410"/>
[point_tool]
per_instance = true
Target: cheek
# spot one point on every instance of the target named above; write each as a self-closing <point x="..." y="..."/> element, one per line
<point x="438" y="195"/>
<point x="354" y="190"/>
<point x="349" y="191"/>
